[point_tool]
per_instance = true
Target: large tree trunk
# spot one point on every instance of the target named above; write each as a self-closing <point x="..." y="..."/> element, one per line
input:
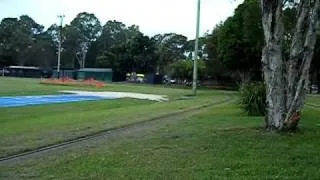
<point x="301" y="54"/>
<point x="272" y="63"/>
<point x="285" y="82"/>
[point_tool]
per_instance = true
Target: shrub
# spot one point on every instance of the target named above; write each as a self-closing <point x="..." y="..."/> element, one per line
<point x="253" y="98"/>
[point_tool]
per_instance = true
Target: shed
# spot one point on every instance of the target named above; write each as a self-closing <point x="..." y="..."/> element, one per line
<point x="24" y="71"/>
<point x="65" y="72"/>
<point x="95" y="73"/>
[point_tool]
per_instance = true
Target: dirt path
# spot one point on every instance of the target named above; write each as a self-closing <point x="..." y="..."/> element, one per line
<point x="101" y="137"/>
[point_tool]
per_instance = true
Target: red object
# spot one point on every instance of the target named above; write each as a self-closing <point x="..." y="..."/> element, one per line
<point x="71" y="82"/>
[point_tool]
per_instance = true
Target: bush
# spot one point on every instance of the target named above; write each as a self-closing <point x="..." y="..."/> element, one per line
<point x="253" y="98"/>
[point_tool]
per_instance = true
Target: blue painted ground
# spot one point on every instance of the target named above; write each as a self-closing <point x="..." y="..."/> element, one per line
<point x="17" y="101"/>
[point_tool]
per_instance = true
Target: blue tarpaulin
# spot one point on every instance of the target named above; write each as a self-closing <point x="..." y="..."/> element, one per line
<point x="17" y="101"/>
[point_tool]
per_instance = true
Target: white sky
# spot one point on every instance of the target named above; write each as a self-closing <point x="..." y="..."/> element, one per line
<point x="152" y="16"/>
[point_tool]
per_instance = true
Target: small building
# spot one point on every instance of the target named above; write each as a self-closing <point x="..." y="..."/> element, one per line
<point x="95" y="73"/>
<point x="65" y="72"/>
<point x="24" y="71"/>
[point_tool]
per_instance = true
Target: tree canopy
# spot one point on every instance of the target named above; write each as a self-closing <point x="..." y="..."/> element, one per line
<point x="236" y="44"/>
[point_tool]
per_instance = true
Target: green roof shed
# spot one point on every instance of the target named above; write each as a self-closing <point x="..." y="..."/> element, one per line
<point x="95" y="73"/>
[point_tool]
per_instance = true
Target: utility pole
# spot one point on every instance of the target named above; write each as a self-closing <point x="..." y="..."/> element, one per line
<point x="59" y="46"/>
<point x="196" y="49"/>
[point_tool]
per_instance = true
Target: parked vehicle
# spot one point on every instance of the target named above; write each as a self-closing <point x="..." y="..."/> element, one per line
<point x="135" y="78"/>
<point x="140" y="78"/>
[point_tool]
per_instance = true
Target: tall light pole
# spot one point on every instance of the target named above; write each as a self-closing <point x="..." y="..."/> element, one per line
<point x="59" y="46"/>
<point x="196" y="49"/>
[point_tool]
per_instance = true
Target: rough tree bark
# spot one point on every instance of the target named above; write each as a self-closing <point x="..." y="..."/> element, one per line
<point x="285" y="81"/>
<point x="272" y="62"/>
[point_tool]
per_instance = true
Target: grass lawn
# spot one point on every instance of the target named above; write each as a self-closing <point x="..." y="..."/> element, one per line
<point x="219" y="143"/>
<point x="26" y="128"/>
<point x="314" y="99"/>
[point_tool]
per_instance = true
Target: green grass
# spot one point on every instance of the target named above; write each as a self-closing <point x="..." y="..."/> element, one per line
<point x="221" y="142"/>
<point x="26" y="128"/>
<point x="314" y="99"/>
<point x="218" y="143"/>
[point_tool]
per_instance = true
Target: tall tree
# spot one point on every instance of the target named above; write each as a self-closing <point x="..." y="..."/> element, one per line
<point x="183" y="69"/>
<point x="285" y="80"/>
<point x="43" y="51"/>
<point x="113" y="32"/>
<point x="7" y="44"/>
<point x="112" y="48"/>
<point x="170" y="48"/>
<point x="236" y="44"/>
<point x="83" y="30"/>
<point x="215" y="66"/>
<point x="18" y="39"/>
<point x="92" y="54"/>
<point x="124" y="49"/>
<point x="53" y="33"/>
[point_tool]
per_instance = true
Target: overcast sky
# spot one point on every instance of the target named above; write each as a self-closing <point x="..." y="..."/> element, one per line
<point x="152" y="16"/>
